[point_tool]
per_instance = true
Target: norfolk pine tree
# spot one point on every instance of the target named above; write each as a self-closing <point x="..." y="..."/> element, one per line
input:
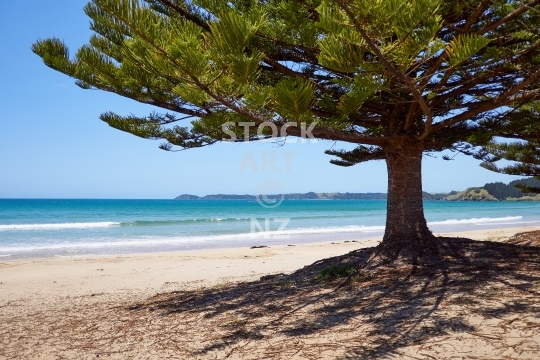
<point x="397" y="78"/>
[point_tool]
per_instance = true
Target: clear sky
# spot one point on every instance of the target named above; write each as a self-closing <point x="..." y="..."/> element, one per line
<point x="53" y="145"/>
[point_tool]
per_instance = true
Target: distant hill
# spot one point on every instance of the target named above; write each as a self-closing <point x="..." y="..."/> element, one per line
<point x="497" y="191"/>
<point x="306" y="196"/>
<point x="471" y="194"/>
<point x="293" y="196"/>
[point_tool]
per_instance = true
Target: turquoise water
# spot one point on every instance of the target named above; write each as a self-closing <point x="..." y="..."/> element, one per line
<point x="41" y="228"/>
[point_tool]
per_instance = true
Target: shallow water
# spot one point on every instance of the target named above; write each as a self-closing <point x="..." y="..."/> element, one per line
<point x="37" y="228"/>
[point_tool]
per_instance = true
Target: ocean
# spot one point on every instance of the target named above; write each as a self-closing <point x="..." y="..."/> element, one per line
<point x="33" y="228"/>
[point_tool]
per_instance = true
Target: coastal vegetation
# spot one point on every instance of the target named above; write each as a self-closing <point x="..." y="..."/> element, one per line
<point x="397" y="79"/>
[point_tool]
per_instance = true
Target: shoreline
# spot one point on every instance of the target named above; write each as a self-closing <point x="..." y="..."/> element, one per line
<point x="490" y="234"/>
<point x="238" y="241"/>
<point x="141" y="275"/>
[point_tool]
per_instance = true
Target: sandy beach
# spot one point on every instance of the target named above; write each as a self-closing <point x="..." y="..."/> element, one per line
<point x="147" y="274"/>
<point x="59" y="287"/>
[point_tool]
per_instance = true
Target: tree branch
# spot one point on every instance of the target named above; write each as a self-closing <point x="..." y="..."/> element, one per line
<point x="503" y="99"/>
<point x="509" y="17"/>
<point x="410" y="117"/>
<point x="440" y="59"/>
<point x="186" y="14"/>
<point x="285" y="70"/>
<point x="475" y="15"/>
<point x="395" y="71"/>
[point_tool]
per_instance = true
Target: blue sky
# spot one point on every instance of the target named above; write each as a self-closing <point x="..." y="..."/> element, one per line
<point x="53" y="145"/>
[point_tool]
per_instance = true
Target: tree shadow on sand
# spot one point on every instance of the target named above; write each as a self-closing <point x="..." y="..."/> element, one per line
<point x="381" y="311"/>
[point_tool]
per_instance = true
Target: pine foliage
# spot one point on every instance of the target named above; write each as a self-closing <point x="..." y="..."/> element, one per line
<point x="457" y="75"/>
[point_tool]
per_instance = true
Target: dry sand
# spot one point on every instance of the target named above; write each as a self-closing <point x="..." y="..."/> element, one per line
<point x="36" y="294"/>
<point x="147" y="274"/>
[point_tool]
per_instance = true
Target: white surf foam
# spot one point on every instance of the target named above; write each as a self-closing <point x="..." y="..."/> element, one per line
<point x="478" y="221"/>
<point x="86" y="225"/>
<point x="153" y="241"/>
<point x="241" y="238"/>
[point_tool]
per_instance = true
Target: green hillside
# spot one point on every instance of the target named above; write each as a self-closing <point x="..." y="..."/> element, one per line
<point x="472" y="194"/>
<point x="498" y="191"/>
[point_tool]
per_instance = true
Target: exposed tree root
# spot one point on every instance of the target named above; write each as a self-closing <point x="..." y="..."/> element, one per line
<point x="531" y="238"/>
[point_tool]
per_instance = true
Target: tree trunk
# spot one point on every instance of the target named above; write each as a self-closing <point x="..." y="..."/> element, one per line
<point x="407" y="234"/>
